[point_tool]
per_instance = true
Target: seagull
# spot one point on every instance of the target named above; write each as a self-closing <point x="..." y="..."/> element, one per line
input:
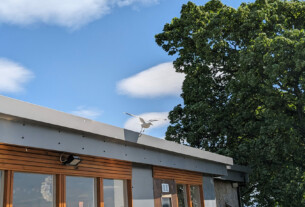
<point x="144" y="124"/>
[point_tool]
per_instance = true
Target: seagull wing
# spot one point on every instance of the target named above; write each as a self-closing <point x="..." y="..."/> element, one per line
<point x="131" y="115"/>
<point x="152" y="120"/>
<point x="142" y="120"/>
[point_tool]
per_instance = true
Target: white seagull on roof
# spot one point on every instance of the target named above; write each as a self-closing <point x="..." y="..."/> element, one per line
<point x="144" y="124"/>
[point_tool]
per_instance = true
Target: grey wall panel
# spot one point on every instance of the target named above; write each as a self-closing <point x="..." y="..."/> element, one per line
<point x="209" y="192"/>
<point x="27" y="134"/>
<point x="142" y="186"/>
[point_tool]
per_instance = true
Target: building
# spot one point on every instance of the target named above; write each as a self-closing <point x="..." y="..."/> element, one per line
<point x="49" y="158"/>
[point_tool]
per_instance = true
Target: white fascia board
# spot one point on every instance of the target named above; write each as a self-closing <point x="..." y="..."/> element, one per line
<point x="23" y="110"/>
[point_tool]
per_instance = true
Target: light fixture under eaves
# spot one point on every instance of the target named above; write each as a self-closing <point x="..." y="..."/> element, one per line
<point x="71" y="160"/>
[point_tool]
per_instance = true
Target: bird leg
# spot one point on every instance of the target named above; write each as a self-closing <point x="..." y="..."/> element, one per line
<point x="141" y="132"/>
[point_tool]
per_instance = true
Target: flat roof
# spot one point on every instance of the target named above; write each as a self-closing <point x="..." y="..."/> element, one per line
<point x="41" y="115"/>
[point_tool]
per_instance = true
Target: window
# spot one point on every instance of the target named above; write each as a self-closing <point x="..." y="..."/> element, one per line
<point x="195" y="195"/>
<point x="80" y="192"/>
<point x="36" y="178"/>
<point x="187" y="186"/>
<point x="166" y="201"/>
<point x="189" y="195"/>
<point x="33" y="190"/>
<point x="115" y="193"/>
<point x="1" y="187"/>
<point x="182" y="195"/>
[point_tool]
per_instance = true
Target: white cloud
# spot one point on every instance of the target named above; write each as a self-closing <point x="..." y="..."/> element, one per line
<point x="122" y="3"/>
<point x="68" y="13"/>
<point x="13" y="76"/>
<point x="160" y="80"/>
<point x="86" y="112"/>
<point x="135" y="125"/>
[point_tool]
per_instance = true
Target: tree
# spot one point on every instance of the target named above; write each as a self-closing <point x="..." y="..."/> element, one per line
<point x="244" y="91"/>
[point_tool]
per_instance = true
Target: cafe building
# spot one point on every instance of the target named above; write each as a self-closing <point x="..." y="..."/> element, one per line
<point x="54" y="159"/>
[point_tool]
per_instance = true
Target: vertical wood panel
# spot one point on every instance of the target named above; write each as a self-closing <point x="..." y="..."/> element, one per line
<point x="100" y="192"/>
<point x="8" y="188"/>
<point x="129" y="193"/>
<point x="157" y="192"/>
<point x="60" y="191"/>
<point x="58" y="196"/>
<point x="64" y="191"/>
<point x="188" y="195"/>
<point x="201" y="195"/>
<point x="175" y="200"/>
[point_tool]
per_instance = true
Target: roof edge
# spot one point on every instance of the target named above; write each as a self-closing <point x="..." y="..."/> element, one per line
<point x="39" y="114"/>
<point x="239" y="168"/>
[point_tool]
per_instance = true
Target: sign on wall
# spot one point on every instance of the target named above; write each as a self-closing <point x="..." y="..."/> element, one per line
<point x="165" y="188"/>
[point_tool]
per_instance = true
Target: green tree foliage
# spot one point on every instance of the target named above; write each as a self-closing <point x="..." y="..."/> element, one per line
<point x="244" y="90"/>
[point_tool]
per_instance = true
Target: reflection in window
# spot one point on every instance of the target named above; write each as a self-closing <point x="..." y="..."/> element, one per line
<point x="33" y="190"/>
<point x="1" y="188"/>
<point x="80" y="192"/>
<point x="115" y="193"/>
<point x="166" y="202"/>
<point x="195" y="196"/>
<point x="182" y="198"/>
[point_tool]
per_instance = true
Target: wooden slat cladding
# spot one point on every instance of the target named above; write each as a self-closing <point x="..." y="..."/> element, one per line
<point x="180" y="176"/>
<point x="26" y="159"/>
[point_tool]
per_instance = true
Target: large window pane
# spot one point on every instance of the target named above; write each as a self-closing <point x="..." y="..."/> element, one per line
<point x="195" y="196"/>
<point x="80" y="192"/>
<point x="1" y="188"/>
<point x="182" y="195"/>
<point x="33" y="190"/>
<point x="115" y="193"/>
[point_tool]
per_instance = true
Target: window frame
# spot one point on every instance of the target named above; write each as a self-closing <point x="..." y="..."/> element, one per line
<point x="188" y="194"/>
<point x="183" y="177"/>
<point x="60" y="188"/>
<point x="200" y="194"/>
<point x="184" y="196"/>
<point x="169" y="196"/>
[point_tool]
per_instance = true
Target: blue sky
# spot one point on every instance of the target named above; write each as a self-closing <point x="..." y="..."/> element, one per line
<point x="93" y="58"/>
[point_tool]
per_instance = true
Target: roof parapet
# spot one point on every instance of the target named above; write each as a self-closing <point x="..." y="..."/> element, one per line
<point x="16" y="109"/>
